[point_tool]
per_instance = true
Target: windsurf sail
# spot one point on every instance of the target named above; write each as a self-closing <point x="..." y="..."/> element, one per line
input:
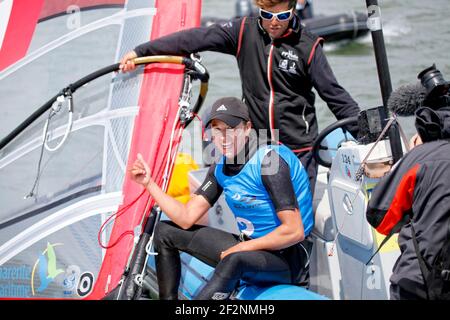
<point x="54" y="200"/>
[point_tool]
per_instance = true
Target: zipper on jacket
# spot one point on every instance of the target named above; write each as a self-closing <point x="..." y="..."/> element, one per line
<point x="304" y="118"/>
<point x="272" y="94"/>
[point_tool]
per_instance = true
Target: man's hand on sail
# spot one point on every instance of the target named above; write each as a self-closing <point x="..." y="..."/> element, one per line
<point x="127" y="63"/>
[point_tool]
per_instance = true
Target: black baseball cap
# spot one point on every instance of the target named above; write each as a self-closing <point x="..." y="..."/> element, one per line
<point x="230" y="110"/>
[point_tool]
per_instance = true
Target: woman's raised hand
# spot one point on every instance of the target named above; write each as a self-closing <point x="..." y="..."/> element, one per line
<point x="140" y="171"/>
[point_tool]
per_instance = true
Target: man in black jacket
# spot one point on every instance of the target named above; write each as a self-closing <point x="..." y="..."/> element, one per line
<point x="279" y="63"/>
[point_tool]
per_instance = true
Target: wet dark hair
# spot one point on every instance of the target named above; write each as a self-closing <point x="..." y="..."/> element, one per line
<point x="271" y="3"/>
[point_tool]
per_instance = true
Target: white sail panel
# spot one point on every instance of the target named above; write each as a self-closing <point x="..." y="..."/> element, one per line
<point x="50" y="238"/>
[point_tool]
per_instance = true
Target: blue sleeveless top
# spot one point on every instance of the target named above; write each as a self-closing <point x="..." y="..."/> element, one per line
<point x="249" y="200"/>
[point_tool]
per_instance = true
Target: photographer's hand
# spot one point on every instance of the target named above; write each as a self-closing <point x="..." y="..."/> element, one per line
<point x="415" y="141"/>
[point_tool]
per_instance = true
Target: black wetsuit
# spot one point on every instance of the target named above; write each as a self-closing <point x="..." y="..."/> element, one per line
<point x="285" y="266"/>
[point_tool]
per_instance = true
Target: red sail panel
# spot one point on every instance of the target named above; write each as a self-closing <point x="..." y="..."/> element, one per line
<point x="19" y="31"/>
<point x="151" y="137"/>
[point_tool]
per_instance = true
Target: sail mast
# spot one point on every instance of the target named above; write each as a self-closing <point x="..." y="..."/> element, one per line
<point x="375" y="25"/>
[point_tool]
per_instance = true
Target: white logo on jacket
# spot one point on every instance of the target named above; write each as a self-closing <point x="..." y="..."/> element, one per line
<point x="288" y="66"/>
<point x="290" y="55"/>
<point x="228" y="25"/>
<point x="293" y="68"/>
<point x="283" y="64"/>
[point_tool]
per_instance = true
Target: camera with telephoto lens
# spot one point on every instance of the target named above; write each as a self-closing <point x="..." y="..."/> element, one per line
<point x="437" y="89"/>
<point x="432" y="119"/>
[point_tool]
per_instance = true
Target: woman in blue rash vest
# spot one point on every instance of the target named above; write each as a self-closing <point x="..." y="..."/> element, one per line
<point x="267" y="189"/>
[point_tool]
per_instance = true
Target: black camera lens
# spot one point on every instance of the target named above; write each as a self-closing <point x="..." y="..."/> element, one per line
<point x="434" y="82"/>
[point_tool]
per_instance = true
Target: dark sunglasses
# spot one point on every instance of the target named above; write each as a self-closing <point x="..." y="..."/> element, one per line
<point x="281" y="16"/>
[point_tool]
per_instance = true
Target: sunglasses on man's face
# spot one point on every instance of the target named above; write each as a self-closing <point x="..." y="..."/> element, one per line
<point x="281" y="16"/>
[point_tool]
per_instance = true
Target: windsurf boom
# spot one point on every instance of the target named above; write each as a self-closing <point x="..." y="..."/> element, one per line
<point x="48" y="241"/>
